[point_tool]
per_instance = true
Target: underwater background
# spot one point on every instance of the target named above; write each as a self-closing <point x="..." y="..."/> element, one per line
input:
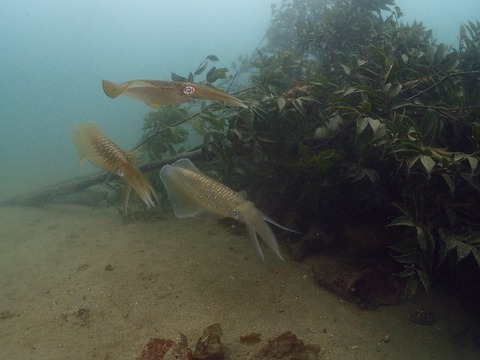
<point x="55" y="54"/>
<point x="353" y="125"/>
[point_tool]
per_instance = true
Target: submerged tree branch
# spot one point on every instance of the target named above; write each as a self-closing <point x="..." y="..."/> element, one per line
<point x="457" y="73"/>
<point x="159" y="131"/>
<point x="53" y="192"/>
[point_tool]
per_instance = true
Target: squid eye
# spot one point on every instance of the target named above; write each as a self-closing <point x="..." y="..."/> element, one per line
<point x="120" y="172"/>
<point x="189" y="90"/>
<point x="235" y="213"/>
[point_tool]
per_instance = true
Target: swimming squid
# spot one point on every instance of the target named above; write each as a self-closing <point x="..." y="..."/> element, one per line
<point x="194" y="194"/>
<point x="92" y="145"/>
<point x="156" y="93"/>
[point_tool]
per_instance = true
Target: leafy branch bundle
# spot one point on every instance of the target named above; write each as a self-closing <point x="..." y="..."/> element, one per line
<point x="353" y="115"/>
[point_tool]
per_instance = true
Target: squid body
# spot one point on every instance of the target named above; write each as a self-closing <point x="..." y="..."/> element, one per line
<point x="193" y="194"/>
<point x="156" y="93"/>
<point x="93" y="145"/>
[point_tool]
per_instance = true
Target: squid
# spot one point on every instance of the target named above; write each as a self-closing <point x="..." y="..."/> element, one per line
<point x="156" y="93"/>
<point x="93" y="145"/>
<point x="194" y="194"/>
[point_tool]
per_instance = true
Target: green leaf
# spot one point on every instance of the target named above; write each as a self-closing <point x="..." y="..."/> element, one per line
<point x="476" y="254"/>
<point x="176" y="77"/>
<point x="210" y="77"/>
<point x="473" y="27"/>
<point x="459" y="156"/>
<point x="362" y="124"/>
<point x="431" y="126"/>
<point x="400" y="103"/>
<point x="201" y="68"/>
<point x="424" y="279"/>
<point x="409" y="258"/>
<point x="348" y="91"/>
<point x="402" y="221"/>
<point x="406" y="273"/>
<point x="370" y="91"/>
<point x="450" y="62"/>
<point x="449" y="240"/>
<point x="393" y="72"/>
<point x="463" y="250"/>
<point x="281" y="103"/>
<point x="411" y="161"/>
<point x="473" y="161"/>
<point x="451" y="184"/>
<point x="346" y="69"/>
<point x="395" y="90"/>
<point x="405" y="246"/>
<point x="476" y="132"/>
<point x="374" y="123"/>
<point x="366" y="107"/>
<point x="371" y="174"/>
<point x="401" y="207"/>
<point x="428" y="163"/>
<point x="322" y="133"/>
<point x="214" y="74"/>
<point x="430" y="55"/>
<point x="473" y="183"/>
<point x="421" y="239"/>
<point x="297" y="103"/>
<point x="413" y="133"/>
<point x="463" y="32"/>
<point x="212" y="58"/>
<point x="381" y="55"/>
<point x="440" y="54"/>
<point x="411" y="287"/>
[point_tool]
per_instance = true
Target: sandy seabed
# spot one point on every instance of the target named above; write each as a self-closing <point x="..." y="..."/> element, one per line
<point x="82" y="283"/>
